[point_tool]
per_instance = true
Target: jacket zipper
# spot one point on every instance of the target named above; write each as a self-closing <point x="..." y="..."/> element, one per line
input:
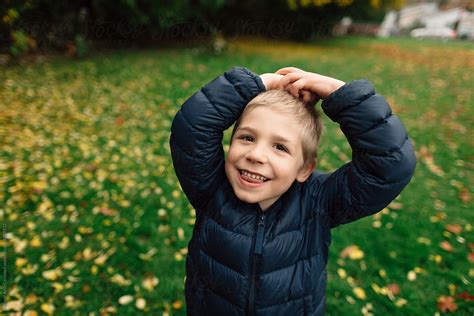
<point x="258" y="247"/>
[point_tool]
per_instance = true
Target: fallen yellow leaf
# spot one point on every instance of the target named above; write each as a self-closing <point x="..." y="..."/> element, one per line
<point x="35" y="242"/>
<point x="48" y="308"/>
<point x="19" y="262"/>
<point x="178" y="256"/>
<point x="13" y="305"/>
<point x="125" y="300"/>
<point x="359" y="293"/>
<point x="342" y="273"/>
<point x="353" y="252"/>
<point x="446" y="246"/>
<point x="140" y="303"/>
<point x="52" y="275"/>
<point x="120" y="280"/>
<point x="150" y="282"/>
<point x="177" y="304"/>
<point x="400" y="302"/>
<point x="382" y="273"/>
<point x="31" y="299"/>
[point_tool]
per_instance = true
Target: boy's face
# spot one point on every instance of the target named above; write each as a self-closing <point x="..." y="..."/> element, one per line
<point x="265" y="156"/>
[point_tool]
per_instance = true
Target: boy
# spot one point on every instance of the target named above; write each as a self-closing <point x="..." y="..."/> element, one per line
<point x="263" y="215"/>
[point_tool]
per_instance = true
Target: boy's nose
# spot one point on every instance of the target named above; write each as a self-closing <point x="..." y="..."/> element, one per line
<point x="257" y="154"/>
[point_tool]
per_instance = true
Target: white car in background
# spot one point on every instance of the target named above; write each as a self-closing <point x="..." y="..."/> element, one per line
<point x="430" y="32"/>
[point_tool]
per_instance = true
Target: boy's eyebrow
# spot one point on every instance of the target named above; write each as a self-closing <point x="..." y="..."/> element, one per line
<point x="277" y="137"/>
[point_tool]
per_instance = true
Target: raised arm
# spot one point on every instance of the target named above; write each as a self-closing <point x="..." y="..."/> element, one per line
<point x="383" y="160"/>
<point x="197" y="131"/>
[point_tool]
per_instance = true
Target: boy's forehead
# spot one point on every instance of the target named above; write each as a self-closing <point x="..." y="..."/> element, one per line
<point x="257" y="112"/>
<point x="284" y="129"/>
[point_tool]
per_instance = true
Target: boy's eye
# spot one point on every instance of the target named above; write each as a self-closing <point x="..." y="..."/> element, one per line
<point x="281" y="147"/>
<point x="246" y="137"/>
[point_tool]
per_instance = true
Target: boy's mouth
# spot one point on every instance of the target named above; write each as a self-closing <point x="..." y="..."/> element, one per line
<point x="252" y="177"/>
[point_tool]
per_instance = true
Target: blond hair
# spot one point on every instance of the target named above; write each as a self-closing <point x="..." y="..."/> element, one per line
<point x="306" y="115"/>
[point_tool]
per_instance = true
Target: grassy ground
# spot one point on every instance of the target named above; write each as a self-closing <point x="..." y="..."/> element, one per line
<point x="94" y="220"/>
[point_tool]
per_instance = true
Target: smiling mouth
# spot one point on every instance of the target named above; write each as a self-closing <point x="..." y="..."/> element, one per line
<point x="252" y="177"/>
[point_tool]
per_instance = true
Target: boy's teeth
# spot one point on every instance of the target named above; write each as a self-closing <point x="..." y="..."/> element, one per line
<point x="253" y="176"/>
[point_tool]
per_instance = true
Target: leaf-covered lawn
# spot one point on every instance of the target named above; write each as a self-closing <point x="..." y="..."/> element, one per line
<point x="94" y="221"/>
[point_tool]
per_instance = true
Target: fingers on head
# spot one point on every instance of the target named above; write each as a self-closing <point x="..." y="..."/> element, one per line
<point x="305" y="96"/>
<point x="299" y="84"/>
<point x="308" y="97"/>
<point x="290" y="78"/>
<point x="287" y="70"/>
<point x="295" y="87"/>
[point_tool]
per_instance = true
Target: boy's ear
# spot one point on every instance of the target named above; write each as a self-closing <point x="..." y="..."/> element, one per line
<point x="305" y="172"/>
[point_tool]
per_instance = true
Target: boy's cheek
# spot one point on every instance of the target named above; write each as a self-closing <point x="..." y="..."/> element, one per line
<point x="230" y="153"/>
<point x="227" y="167"/>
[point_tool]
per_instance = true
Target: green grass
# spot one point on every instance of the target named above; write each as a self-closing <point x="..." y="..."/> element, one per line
<point x="92" y="211"/>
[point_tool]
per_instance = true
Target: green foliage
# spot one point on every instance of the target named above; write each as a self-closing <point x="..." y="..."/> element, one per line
<point x="81" y="45"/>
<point x="19" y="43"/>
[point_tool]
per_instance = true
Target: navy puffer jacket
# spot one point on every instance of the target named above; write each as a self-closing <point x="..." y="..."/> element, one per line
<point x="242" y="261"/>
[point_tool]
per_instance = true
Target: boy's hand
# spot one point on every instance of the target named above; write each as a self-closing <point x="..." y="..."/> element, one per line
<point x="271" y="81"/>
<point x="298" y="82"/>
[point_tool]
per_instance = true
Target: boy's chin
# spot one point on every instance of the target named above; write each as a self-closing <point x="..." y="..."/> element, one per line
<point x="246" y="198"/>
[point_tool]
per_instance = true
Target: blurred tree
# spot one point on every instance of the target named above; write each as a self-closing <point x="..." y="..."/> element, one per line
<point x="70" y="25"/>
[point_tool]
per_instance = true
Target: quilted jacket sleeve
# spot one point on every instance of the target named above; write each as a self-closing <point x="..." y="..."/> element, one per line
<point x="383" y="160"/>
<point x="197" y="131"/>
